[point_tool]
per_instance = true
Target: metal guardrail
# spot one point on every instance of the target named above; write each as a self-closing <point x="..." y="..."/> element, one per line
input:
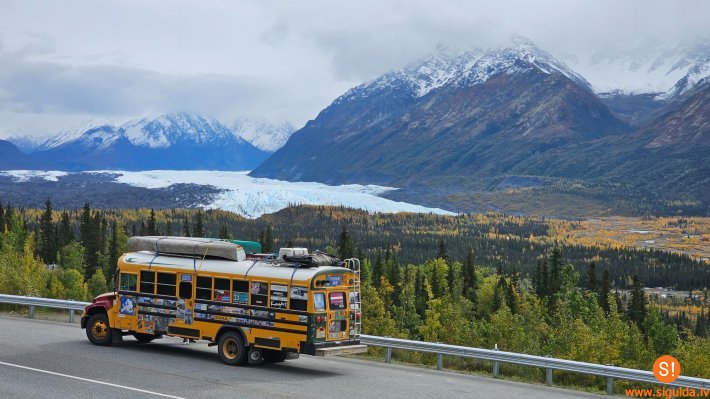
<point x="33" y="302"/>
<point x="550" y="364"/>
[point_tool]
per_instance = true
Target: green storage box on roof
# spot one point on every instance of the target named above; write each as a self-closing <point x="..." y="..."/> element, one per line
<point x="250" y="247"/>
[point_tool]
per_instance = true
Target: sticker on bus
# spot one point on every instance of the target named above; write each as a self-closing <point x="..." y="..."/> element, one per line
<point x="278" y="296"/>
<point x="299" y="293"/>
<point x="221" y="295"/>
<point x="240" y="297"/>
<point x="319" y="302"/>
<point x="337" y="300"/>
<point x="128" y="306"/>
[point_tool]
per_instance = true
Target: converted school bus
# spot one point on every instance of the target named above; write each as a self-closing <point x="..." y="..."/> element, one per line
<point x="253" y="308"/>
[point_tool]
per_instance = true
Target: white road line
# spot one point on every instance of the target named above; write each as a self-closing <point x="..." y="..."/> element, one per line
<point x="90" y="380"/>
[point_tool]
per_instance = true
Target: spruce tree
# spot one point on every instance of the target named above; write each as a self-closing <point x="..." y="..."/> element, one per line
<point x="637" y="305"/>
<point x="421" y="292"/>
<point x="436" y="283"/>
<point x="592" y="284"/>
<point x="198" y="230"/>
<point x="185" y="228"/>
<point x="499" y="293"/>
<point x="604" y="290"/>
<point x="113" y="250"/>
<point x="90" y="239"/>
<point x="545" y="279"/>
<point x="345" y="245"/>
<point x="377" y="269"/>
<point x="223" y="232"/>
<point x="441" y="252"/>
<point x="47" y="239"/>
<point x="152" y="224"/>
<point x="455" y="281"/>
<point x="268" y="241"/>
<point x="66" y="233"/>
<point x="511" y="298"/>
<point x="470" y="278"/>
<point x="556" y="271"/>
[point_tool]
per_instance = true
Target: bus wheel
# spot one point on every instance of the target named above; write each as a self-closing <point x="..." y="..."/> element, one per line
<point x="144" y="338"/>
<point x="273" y="356"/>
<point x="98" y="330"/>
<point x="231" y="348"/>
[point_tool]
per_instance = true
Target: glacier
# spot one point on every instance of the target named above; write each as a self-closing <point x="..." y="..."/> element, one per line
<point x="249" y="196"/>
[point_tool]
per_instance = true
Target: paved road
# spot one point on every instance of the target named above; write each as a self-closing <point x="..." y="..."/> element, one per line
<point x="43" y="359"/>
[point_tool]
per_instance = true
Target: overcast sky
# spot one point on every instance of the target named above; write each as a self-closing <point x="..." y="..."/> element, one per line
<point x="65" y="61"/>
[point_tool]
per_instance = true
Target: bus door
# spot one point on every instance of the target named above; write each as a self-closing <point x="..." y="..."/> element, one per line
<point x="127" y="300"/>
<point x="185" y="304"/>
<point x="338" y="315"/>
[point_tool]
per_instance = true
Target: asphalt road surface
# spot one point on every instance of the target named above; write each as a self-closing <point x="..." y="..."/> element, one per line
<point x="43" y="359"/>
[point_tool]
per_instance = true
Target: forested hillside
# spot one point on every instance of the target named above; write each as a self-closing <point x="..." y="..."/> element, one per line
<point x="475" y="280"/>
<point x="512" y="243"/>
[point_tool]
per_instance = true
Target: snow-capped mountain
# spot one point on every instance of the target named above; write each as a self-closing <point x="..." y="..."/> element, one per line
<point x="169" y="129"/>
<point x="453" y="67"/>
<point x="420" y="77"/>
<point x="30" y="144"/>
<point x="262" y="134"/>
<point x="171" y="141"/>
<point x="508" y="60"/>
<point x="453" y="114"/>
<point x="162" y="131"/>
<point x="665" y="70"/>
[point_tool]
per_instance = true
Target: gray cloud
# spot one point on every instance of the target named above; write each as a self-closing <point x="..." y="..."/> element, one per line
<point x="278" y="60"/>
<point x="117" y="90"/>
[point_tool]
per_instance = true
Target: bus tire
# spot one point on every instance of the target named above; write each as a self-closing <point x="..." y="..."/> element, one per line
<point x="231" y="348"/>
<point x="98" y="330"/>
<point x="273" y="356"/>
<point x="144" y="338"/>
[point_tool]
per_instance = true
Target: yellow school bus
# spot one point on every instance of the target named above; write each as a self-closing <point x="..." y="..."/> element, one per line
<point x="251" y="309"/>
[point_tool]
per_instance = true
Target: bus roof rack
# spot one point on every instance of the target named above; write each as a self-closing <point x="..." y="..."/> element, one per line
<point x="313" y="260"/>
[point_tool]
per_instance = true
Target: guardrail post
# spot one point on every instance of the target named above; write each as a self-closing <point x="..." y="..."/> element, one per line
<point x="610" y="386"/>
<point x="388" y="355"/>
<point x="31" y="312"/>
<point x="548" y="374"/>
<point x="496" y="365"/>
<point x="439" y="361"/>
<point x="71" y="316"/>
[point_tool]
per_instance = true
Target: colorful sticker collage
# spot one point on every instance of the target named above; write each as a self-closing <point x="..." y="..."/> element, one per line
<point x="278" y="296"/>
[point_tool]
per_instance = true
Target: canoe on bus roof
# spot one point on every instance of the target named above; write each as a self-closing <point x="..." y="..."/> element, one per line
<point x="188" y="246"/>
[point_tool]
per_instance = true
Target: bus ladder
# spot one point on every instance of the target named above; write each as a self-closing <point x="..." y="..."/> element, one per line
<point x="354" y="265"/>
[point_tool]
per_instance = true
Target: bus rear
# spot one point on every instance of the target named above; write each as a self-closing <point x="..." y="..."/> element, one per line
<point x="334" y="321"/>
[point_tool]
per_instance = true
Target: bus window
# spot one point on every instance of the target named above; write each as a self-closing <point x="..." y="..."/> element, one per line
<point x="259" y="293"/>
<point x="128" y="282"/>
<point x="221" y="290"/>
<point x="319" y="301"/>
<point x="336" y="300"/>
<point x="240" y="292"/>
<point x="166" y="284"/>
<point x="147" y="283"/>
<point x="299" y="298"/>
<point x="185" y="290"/>
<point x="204" y="288"/>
